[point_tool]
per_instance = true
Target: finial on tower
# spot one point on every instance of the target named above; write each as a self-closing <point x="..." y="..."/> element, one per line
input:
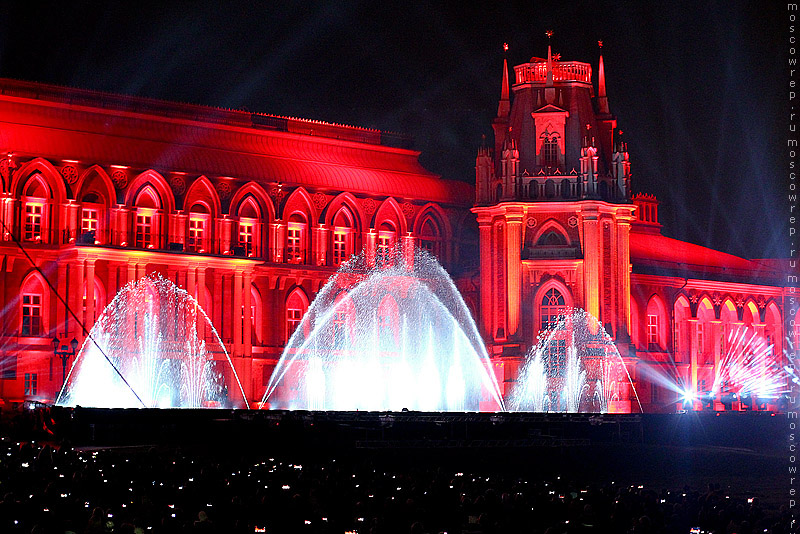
<point x="504" y="107"/>
<point x="602" y="100"/>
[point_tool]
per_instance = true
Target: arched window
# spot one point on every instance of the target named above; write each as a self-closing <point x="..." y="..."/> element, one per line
<point x="430" y="237"/>
<point x="91" y="210"/>
<point x="34" y="202"/>
<point x="33" y="304"/>
<point x="656" y="325"/>
<point x="772" y="328"/>
<point x="704" y="340"/>
<point x="146" y="223"/>
<point x="728" y="318"/>
<point x="249" y="234"/>
<point x="343" y="236"/>
<point x="387" y="237"/>
<point x="199" y="220"/>
<point x="680" y="338"/>
<point x="296" y="307"/>
<point x="551" y="309"/>
<point x="551" y="238"/>
<point x="550" y="151"/>
<point x="296" y="237"/>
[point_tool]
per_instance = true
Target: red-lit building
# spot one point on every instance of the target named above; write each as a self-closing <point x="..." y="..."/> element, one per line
<point x="252" y="213"/>
<point x="559" y="228"/>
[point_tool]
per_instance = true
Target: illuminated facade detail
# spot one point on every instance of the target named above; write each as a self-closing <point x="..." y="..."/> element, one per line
<point x="33" y="221"/>
<point x="558" y="165"/>
<point x="31" y="315"/>
<point x="251" y="214"/>
<point x="252" y="234"/>
<point x="296" y="307"/>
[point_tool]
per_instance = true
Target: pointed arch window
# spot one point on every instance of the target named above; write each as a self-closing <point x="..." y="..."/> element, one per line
<point x="656" y="325"/>
<point x="34" y="216"/>
<point x="296" y="236"/>
<point x="551" y="238"/>
<point x="387" y="237"/>
<point x="89" y="222"/>
<point x="652" y="331"/>
<point x="144" y="228"/>
<point x="147" y="206"/>
<point x="198" y="228"/>
<point x="31" y="314"/>
<point x="249" y="229"/>
<point x="32" y="305"/>
<point x="430" y="237"/>
<point x="550" y="151"/>
<point x="551" y="309"/>
<point x="296" y="307"/>
<point x="343" y="236"/>
<point x="91" y="210"/>
<point x="33" y="220"/>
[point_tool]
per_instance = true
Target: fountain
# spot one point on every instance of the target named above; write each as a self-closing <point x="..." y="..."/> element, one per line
<point x="574" y="367"/>
<point x="147" y="350"/>
<point x="394" y="336"/>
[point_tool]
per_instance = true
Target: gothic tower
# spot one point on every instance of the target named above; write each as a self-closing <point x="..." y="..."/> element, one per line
<point x="553" y="207"/>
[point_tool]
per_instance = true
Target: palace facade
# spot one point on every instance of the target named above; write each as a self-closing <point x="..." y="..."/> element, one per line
<point x="559" y="227"/>
<point x="253" y="213"/>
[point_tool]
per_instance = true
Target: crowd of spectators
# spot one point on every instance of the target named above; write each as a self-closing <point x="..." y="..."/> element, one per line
<point x="47" y="487"/>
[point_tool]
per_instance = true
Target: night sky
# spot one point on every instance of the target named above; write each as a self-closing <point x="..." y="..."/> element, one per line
<point x="700" y="89"/>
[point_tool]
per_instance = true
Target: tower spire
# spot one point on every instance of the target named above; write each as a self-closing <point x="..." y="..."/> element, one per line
<point x="549" y="92"/>
<point x="504" y="107"/>
<point x="602" y="100"/>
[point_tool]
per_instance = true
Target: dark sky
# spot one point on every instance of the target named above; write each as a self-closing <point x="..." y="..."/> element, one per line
<point x="699" y="88"/>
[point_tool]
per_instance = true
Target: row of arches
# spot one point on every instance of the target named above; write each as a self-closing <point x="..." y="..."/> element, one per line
<point x="283" y="226"/>
<point x="703" y="328"/>
<point x="35" y="300"/>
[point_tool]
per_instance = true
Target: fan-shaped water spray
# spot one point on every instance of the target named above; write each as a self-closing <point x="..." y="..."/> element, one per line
<point x="145" y="351"/>
<point x="388" y="337"/>
<point x="748" y="368"/>
<point x="574" y="367"/>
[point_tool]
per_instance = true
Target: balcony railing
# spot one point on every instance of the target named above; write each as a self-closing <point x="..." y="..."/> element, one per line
<point x="571" y="71"/>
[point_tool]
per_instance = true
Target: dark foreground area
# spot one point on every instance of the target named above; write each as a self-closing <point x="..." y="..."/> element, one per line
<point x="64" y="470"/>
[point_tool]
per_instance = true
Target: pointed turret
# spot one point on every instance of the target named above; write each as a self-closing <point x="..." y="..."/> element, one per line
<point x="621" y="168"/>
<point x="484" y="174"/>
<point x="509" y="164"/>
<point x="504" y="107"/>
<point x="602" y="100"/>
<point x="500" y="123"/>
<point x="549" y="91"/>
